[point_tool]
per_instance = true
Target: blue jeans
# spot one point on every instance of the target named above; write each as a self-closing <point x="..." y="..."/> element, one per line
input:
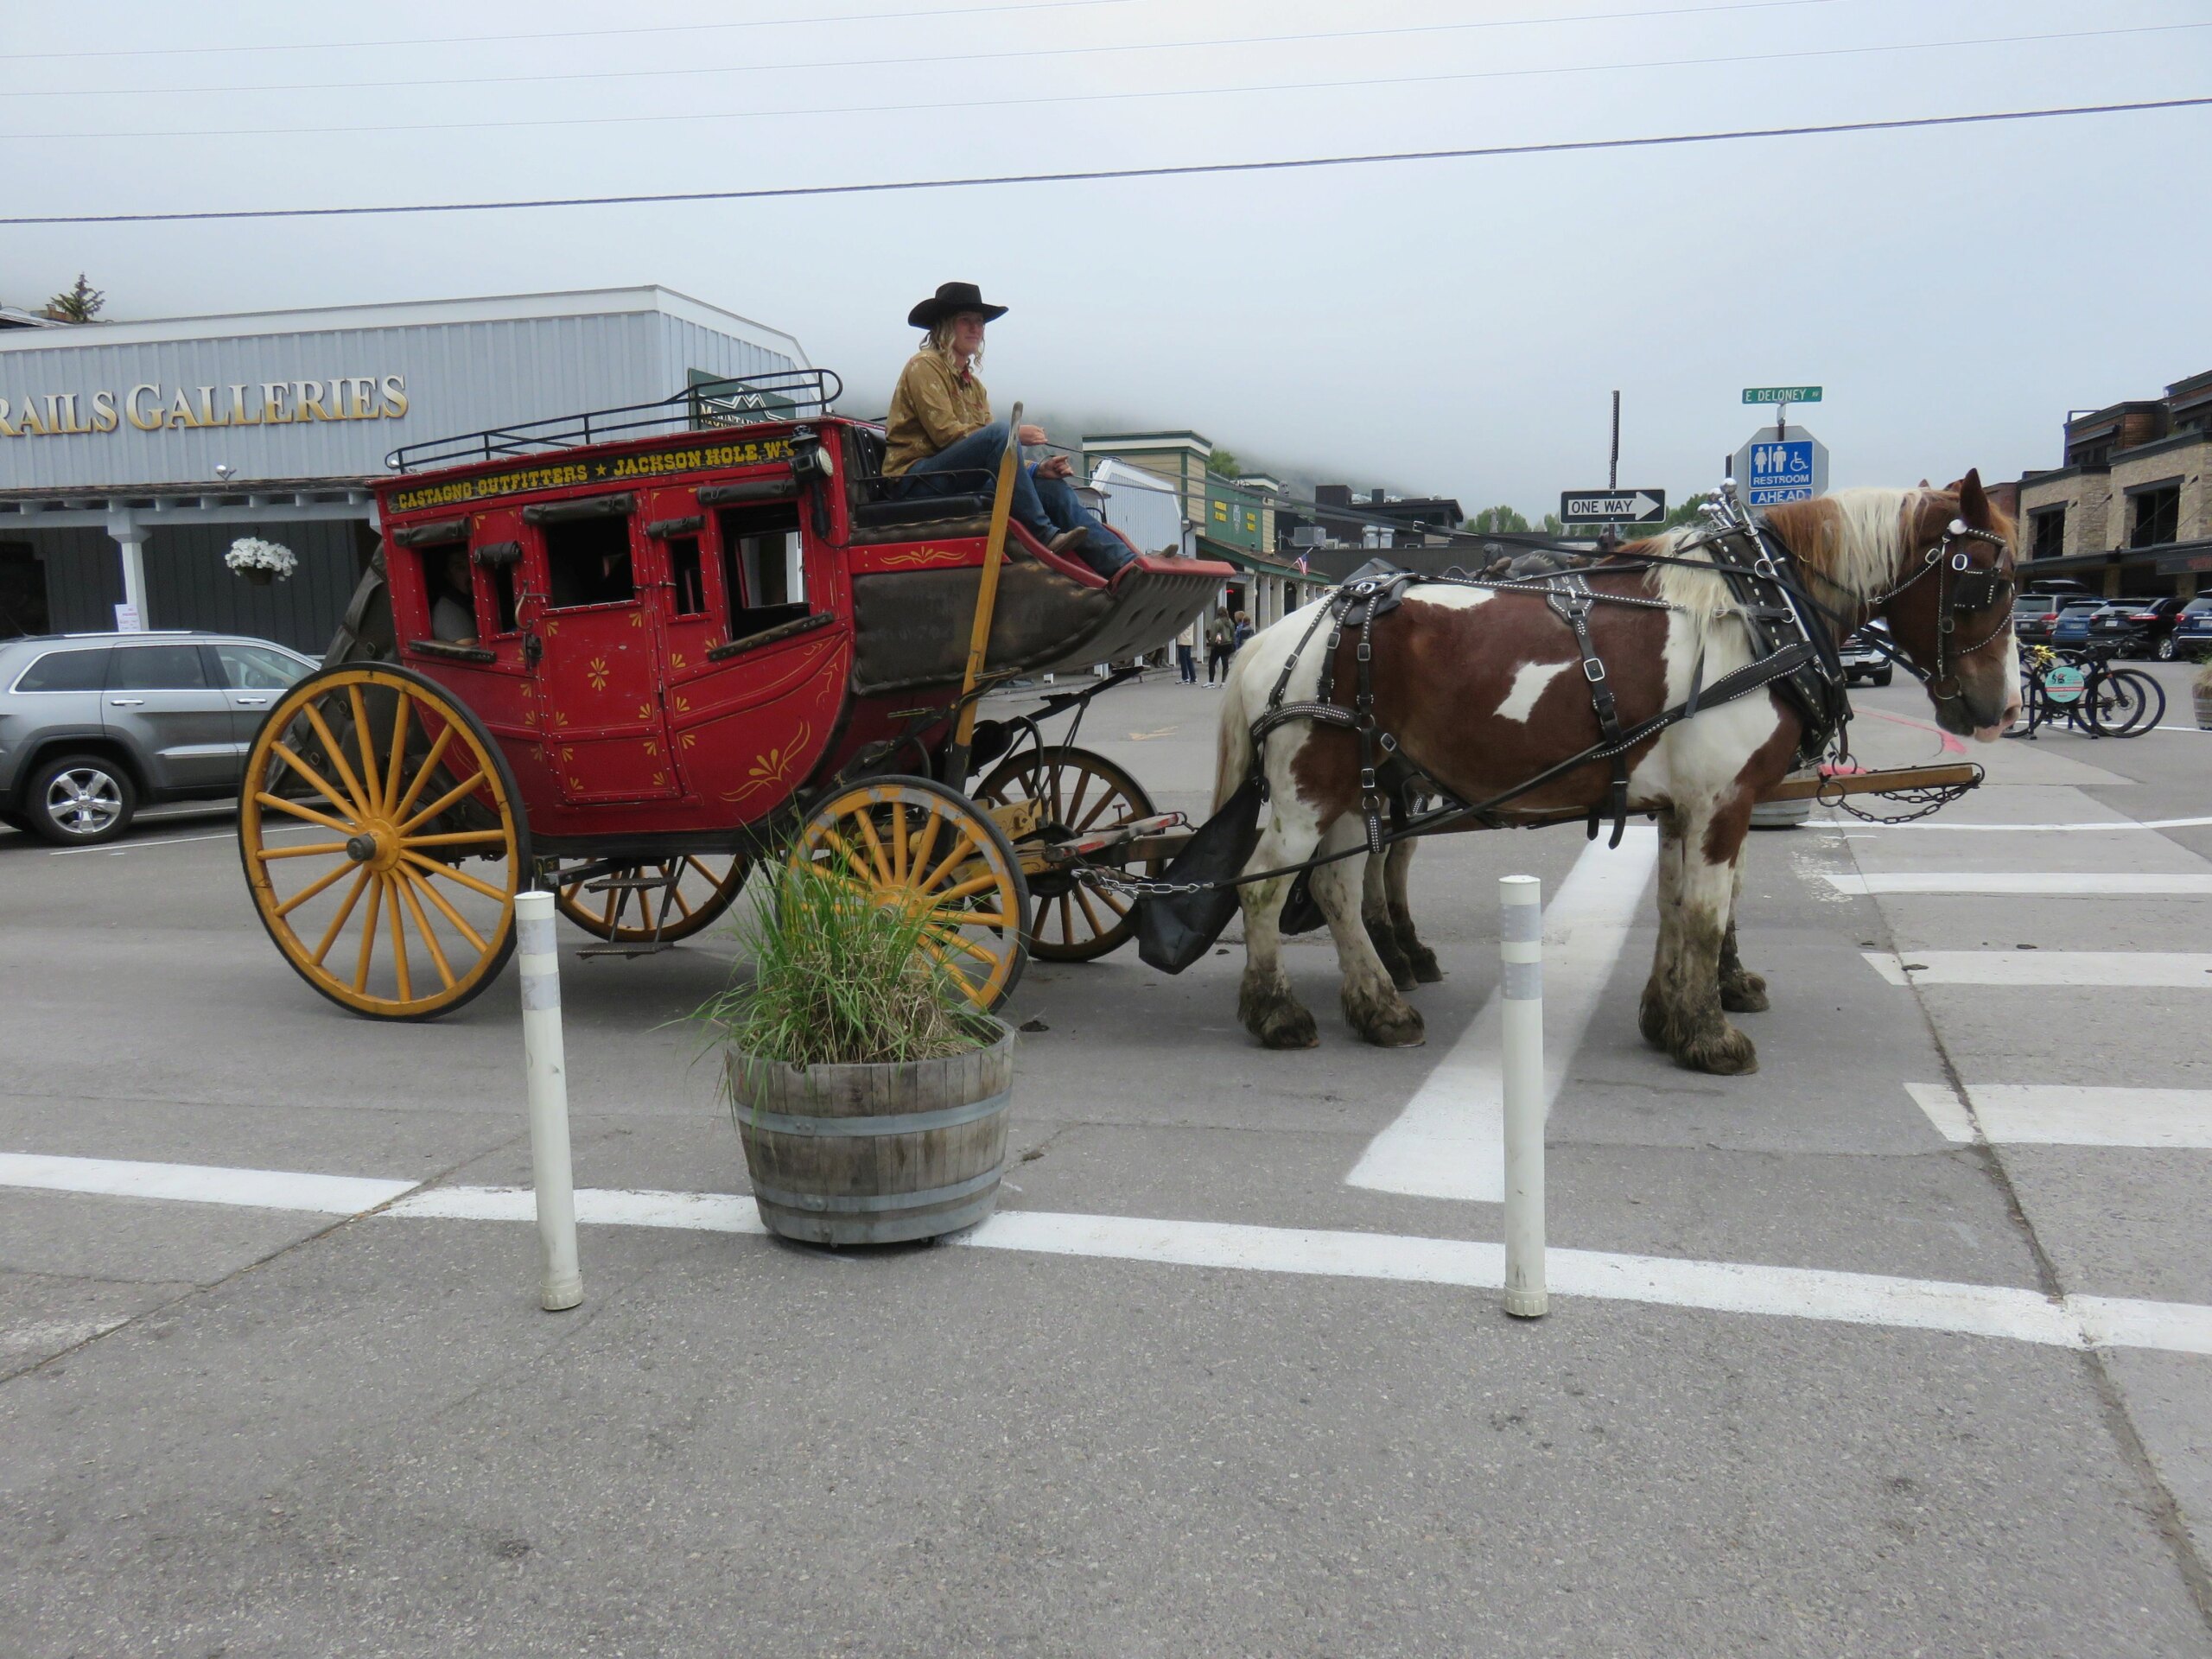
<point x="1043" y="507"/>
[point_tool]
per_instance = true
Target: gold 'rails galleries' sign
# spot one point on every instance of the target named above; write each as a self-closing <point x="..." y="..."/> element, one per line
<point x="151" y="407"/>
<point x="597" y="469"/>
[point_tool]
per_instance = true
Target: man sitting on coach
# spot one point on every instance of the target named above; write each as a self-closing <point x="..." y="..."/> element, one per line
<point x="941" y="428"/>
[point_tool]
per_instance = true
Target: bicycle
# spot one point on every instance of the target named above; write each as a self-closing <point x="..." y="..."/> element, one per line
<point x="2084" y="689"/>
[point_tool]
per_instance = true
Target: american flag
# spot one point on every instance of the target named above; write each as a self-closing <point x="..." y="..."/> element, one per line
<point x="1302" y="564"/>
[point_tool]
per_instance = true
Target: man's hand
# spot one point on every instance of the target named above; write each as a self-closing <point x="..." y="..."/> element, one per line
<point x="1025" y="434"/>
<point x="1055" y="466"/>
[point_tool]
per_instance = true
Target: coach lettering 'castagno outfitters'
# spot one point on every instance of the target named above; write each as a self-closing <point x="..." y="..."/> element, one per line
<point x="152" y="407"/>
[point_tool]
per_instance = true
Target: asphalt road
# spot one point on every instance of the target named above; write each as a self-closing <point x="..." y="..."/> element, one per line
<point x="1902" y="1345"/>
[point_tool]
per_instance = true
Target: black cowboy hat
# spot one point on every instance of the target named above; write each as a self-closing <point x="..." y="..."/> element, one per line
<point x="951" y="299"/>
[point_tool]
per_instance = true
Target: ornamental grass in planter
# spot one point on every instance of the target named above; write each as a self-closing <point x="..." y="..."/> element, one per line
<point x="869" y="1093"/>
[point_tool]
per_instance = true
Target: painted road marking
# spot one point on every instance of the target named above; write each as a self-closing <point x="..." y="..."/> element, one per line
<point x="252" y="1189"/>
<point x="2113" y="969"/>
<point x="2016" y="1314"/>
<point x="1449" y="1142"/>
<point x="2029" y="829"/>
<point x="2062" y="1114"/>
<point x="2082" y="884"/>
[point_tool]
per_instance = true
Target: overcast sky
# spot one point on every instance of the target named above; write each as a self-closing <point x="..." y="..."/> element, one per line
<point x="1448" y="326"/>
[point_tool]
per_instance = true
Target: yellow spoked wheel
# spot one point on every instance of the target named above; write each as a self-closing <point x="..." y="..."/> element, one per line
<point x="915" y="843"/>
<point x="1082" y="793"/>
<point x="637" y="904"/>
<point x="383" y="842"/>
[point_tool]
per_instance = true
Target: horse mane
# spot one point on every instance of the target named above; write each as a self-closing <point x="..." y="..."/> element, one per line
<point x="1856" y="538"/>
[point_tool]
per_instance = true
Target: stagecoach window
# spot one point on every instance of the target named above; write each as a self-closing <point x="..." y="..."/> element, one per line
<point x="450" y="591"/>
<point x="588" y="562"/>
<point x="764" y="581"/>
<point x="686" y="579"/>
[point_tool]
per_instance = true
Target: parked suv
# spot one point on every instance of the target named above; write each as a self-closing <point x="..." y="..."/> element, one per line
<point x="2192" y="634"/>
<point x="1861" y="658"/>
<point x="94" y="726"/>
<point x="2071" y="630"/>
<point x="2139" y="628"/>
<point x="2033" y="614"/>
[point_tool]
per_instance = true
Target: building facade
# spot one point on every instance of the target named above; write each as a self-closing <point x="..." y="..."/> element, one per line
<point x="2130" y="510"/>
<point x="132" y="453"/>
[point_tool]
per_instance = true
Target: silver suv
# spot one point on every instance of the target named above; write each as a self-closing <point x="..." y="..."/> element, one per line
<point x="94" y="726"/>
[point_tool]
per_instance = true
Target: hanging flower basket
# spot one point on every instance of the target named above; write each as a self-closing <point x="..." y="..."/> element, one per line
<point x="261" y="562"/>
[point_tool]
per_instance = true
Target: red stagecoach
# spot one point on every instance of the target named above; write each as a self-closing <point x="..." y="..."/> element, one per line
<point x="625" y="654"/>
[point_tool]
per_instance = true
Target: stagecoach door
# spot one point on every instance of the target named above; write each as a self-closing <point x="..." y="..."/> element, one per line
<point x="592" y="646"/>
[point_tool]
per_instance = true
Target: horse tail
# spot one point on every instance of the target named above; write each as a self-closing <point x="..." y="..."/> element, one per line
<point x="1233" y="758"/>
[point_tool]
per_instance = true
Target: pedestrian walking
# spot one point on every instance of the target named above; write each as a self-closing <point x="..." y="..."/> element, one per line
<point x="1187" y="652"/>
<point x="1221" y="640"/>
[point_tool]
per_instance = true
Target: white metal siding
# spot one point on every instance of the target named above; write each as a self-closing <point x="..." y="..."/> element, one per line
<point x="459" y="376"/>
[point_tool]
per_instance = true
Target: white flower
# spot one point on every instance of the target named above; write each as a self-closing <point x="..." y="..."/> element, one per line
<point x="251" y="553"/>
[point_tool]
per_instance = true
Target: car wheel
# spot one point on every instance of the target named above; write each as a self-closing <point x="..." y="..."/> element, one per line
<point x="79" y="800"/>
<point x="2166" y="651"/>
<point x="1885" y="676"/>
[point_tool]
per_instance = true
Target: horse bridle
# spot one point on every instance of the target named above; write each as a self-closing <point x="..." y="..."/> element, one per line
<point x="1973" y="588"/>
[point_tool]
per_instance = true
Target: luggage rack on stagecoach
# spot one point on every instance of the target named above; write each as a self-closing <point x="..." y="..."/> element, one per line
<point x="743" y="400"/>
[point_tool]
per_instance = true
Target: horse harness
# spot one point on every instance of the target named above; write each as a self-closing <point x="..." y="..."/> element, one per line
<point x="1793" y="639"/>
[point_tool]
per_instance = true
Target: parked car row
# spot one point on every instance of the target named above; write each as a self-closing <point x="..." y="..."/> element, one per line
<point x="93" y="727"/>
<point x="2129" y="628"/>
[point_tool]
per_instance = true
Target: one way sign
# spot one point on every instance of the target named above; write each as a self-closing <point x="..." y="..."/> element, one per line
<point x="1612" y="506"/>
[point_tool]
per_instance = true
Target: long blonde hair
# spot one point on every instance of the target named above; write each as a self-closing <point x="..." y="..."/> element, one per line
<point x="940" y="342"/>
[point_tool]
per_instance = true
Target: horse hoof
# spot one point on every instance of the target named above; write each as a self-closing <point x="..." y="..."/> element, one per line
<point x="1388" y="1027"/>
<point x="1424" y="962"/>
<point x="1744" y="993"/>
<point x="1279" y="1022"/>
<point x="1724" y="1053"/>
<point x="1652" y="1020"/>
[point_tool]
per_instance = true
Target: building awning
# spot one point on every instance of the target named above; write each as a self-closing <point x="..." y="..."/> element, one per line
<point x="233" y="501"/>
<point x="1256" y="564"/>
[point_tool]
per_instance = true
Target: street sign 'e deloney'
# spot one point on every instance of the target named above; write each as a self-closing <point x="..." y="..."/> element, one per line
<point x="1611" y="506"/>
<point x="1782" y="394"/>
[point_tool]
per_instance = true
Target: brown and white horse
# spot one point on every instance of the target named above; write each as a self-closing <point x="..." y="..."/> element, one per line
<point x="1484" y="689"/>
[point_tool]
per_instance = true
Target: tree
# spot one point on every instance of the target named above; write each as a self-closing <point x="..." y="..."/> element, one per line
<point x="79" y="303"/>
<point x="1492" y="520"/>
<point x="1226" y="462"/>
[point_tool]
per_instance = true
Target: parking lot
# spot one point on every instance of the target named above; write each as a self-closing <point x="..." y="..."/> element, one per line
<point x="1902" y="1345"/>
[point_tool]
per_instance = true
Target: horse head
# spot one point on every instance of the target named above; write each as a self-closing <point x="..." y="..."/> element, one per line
<point x="1937" y="565"/>
<point x="1950" y="607"/>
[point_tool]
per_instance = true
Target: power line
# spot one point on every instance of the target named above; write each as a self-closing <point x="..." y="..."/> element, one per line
<point x="567" y="34"/>
<point x="261" y="131"/>
<point x="1092" y="175"/>
<point x="905" y="60"/>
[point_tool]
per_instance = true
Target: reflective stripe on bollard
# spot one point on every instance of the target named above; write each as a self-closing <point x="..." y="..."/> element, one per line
<point x="1520" y="943"/>
<point x="545" y="1070"/>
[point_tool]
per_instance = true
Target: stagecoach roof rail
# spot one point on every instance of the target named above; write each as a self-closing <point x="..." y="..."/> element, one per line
<point x="742" y="400"/>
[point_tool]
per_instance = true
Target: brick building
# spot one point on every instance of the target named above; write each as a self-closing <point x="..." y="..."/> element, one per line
<point x="2129" y="511"/>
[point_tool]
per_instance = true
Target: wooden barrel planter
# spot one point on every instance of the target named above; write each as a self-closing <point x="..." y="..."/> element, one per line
<point x="874" y="1154"/>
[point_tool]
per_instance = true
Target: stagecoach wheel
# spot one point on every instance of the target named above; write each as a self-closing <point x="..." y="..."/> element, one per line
<point x="913" y="843"/>
<point x="1083" y="793"/>
<point x="383" y="842"/>
<point x="693" y="893"/>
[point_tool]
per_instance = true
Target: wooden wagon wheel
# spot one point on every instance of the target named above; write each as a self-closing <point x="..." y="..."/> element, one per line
<point x="1083" y="792"/>
<point x="916" y="843"/>
<point x="383" y="842"/>
<point x="667" y="901"/>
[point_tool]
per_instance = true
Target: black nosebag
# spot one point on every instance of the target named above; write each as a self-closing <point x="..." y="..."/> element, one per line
<point x="1174" y="930"/>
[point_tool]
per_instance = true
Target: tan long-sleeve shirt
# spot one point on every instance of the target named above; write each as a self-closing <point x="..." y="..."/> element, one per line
<point x="932" y="407"/>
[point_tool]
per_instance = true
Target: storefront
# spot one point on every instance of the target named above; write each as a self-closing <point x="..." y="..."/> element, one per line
<point x="133" y="455"/>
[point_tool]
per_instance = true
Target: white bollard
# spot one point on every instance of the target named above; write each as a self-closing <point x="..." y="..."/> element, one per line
<point x="1521" y="943"/>
<point x="546" y="1068"/>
